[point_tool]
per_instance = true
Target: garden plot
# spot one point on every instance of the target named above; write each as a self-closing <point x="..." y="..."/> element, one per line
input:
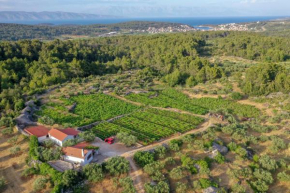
<point x="88" y="109"/>
<point x="149" y="125"/>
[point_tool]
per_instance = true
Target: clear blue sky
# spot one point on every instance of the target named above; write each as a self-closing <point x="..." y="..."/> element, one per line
<point x="155" y="8"/>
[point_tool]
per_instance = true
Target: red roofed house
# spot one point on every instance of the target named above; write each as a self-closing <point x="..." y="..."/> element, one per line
<point x="40" y="132"/>
<point x="60" y="136"/>
<point x="79" y="154"/>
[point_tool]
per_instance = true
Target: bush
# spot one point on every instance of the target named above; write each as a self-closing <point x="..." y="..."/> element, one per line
<point x="143" y="158"/>
<point x="263" y="175"/>
<point x="127" y="139"/>
<point x="219" y="158"/>
<point x="29" y="172"/>
<point x="161" y="187"/>
<point x="13" y="140"/>
<point x="283" y="177"/>
<point x="6" y="121"/>
<point x="177" y="173"/>
<point x="161" y="151"/>
<point x="260" y="185"/>
<point x="71" y="178"/>
<point x="236" y="96"/>
<point x="175" y="144"/>
<point x="15" y="150"/>
<point x="39" y="183"/>
<point x="2" y="182"/>
<point x="46" y="120"/>
<point x="33" y="146"/>
<point x="268" y="163"/>
<point x="7" y="131"/>
<point x="127" y="185"/>
<point x="238" y="189"/>
<point x="87" y="136"/>
<point x="70" y="142"/>
<point x="48" y="143"/>
<point x="93" y="172"/>
<point x="181" y="187"/>
<point x="205" y="183"/>
<point x="117" y="165"/>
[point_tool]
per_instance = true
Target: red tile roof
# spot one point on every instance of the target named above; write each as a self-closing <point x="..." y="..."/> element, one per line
<point x="38" y="131"/>
<point x="70" y="131"/>
<point x="62" y="134"/>
<point x="76" y="151"/>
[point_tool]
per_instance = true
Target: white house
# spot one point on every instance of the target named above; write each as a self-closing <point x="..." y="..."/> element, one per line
<point x="60" y="136"/>
<point x="40" y="132"/>
<point x="79" y="154"/>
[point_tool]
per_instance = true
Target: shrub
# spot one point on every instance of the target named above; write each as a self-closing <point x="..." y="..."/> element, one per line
<point x="46" y="120"/>
<point x="48" y="143"/>
<point x="143" y="158"/>
<point x="175" y="144"/>
<point x="268" y="163"/>
<point x="219" y="158"/>
<point x="117" y="165"/>
<point x="13" y="140"/>
<point x="238" y="189"/>
<point x="263" y="175"/>
<point x="161" y="151"/>
<point x="87" y="136"/>
<point x="176" y="173"/>
<point x="127" y="139"/>
<point x="127" y="185"/>
<point x="260" y="185"/>
<point x="6" y="121"/>
<point x="283" y="177"/>
<point x="153" y="167"/>
<point x="29" y="171"/>
<point x="181" y="187"/>
<point x="33" y="146"/>
<point x="70" y="142"/>
<point x="39" y="183"/>
<point x="2" y="182"/>
<point x="93" y="172"/>
<point x="236" y="96"/>
<point x="7" y="131"/>
<point x="71" y="178"/>
<point x="205" y="183"/>
<point x="15" y="150"/>
<point x="161" y="187"/>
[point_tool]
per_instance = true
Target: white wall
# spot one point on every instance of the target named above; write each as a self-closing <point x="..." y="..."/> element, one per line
<point x="83" y="161"/>
<point x="42" y="139"/>
<point x="56" y="141"/>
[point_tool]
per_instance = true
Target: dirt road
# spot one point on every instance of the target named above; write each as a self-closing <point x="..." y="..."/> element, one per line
<point x="136" y="173"/>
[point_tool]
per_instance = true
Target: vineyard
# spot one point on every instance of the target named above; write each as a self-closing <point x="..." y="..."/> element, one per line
<point x="89" y="109"/>
<point x="174" y="99"/>
<point x="149" y="125"/>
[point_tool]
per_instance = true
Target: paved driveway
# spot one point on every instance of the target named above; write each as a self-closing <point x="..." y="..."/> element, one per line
<point x="109" y="150"/>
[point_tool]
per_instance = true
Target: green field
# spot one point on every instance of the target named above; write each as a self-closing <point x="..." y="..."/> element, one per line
<point x="89" y="109"/>
<point x="149" y="125"/>
<point x="175" y="99"/>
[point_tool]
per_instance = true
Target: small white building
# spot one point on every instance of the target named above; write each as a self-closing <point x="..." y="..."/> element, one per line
<point x="79" y="154"/>
<point x="60" y="136"/>
<point x="40" y="132"/>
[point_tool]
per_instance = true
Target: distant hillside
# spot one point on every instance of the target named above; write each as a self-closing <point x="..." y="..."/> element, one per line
<point x="48" y="32"/>
<point x="21" y="15"/>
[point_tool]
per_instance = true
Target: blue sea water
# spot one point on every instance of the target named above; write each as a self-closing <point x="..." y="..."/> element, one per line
<point x="195" y="21"/>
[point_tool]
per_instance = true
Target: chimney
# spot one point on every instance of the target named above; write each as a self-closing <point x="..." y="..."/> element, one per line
<point x="83" y="153"/>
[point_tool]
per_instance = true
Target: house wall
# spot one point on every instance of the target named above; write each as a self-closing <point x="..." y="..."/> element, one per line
<point x="79" y="160"/>
<point x="56" y="141"/>
<point x="42" y="139"/>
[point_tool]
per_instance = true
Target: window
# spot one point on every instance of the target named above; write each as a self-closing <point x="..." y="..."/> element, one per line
<point x="89" y="157"/>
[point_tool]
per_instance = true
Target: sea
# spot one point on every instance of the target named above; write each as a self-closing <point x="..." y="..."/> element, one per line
<point x="191" y="21"/>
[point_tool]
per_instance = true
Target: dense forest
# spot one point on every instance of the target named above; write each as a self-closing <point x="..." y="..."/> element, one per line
<point x="14" y="32"/>
<point x="28" y="66"/>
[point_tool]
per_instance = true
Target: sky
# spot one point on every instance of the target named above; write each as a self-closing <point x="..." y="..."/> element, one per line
<point x="155" y="8"/>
